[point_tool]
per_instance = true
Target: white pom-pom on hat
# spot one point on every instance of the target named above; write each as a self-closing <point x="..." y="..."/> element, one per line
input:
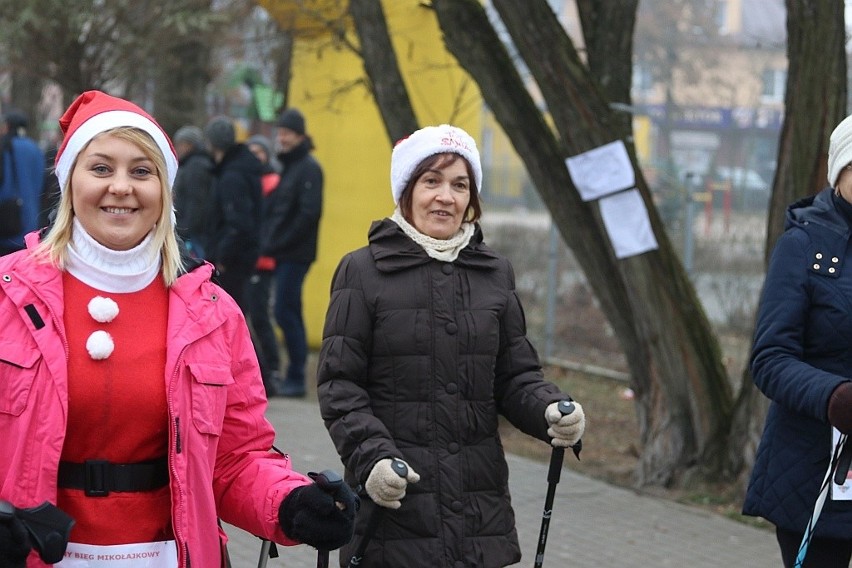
<point x="100" y="345"/>
<point x="102" y="309"/>
<point x="428" y="141"/>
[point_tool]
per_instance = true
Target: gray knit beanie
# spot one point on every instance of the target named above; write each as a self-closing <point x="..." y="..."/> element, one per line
<point x="192" y="135"/>
<point x="292" y="119"/>
<point x="263" y="142"/>
<point x="220" y="133"/>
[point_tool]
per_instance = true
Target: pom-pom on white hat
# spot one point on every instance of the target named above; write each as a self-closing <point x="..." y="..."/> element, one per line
<point x="94" y="112"/>
<point x="839" y="149"/>
<point x="428" y="141"/>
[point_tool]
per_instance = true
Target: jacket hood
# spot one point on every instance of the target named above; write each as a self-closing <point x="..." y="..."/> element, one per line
<point x="239" y="157"/>
<point x="393" y="250"/>
<point x="196" y="153"/>
<point x="818" y="209"/>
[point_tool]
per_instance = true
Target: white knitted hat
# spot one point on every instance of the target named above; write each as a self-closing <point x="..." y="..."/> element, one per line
<point x="839" y="149"/>
<point x="428" y="141"/>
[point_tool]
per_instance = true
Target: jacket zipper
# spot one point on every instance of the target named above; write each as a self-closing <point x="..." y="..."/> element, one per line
<point x="173" y="470"/>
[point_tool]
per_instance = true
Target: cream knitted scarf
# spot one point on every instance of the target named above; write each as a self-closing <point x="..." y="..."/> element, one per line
<point x="445" y="250"/>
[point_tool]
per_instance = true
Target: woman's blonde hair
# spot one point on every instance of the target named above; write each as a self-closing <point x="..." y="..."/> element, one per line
<point x="54" y="246"/>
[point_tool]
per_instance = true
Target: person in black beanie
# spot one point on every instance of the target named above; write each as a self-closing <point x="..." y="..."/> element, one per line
<point x="801" y="361"/>
<point x="289" y="235"/>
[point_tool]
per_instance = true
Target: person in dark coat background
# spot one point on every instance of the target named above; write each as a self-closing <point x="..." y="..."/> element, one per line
<point x="290" y="232"/>
<point x="424" y="347"/>
<point x="802" y="361"/>
<point x="193" y="188"/>
<point x="22" y="168"/>
<point x="236" y="214"/>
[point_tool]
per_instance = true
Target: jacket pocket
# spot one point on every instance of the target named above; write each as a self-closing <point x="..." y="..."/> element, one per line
<point x="17" y="374"/>
<point x="209" y="396"/>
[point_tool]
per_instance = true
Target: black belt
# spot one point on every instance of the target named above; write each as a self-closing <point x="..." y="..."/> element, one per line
<point x="98" y="477"/>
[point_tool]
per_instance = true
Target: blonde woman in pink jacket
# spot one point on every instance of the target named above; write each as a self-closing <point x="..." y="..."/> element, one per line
<point x="130" y="394"/>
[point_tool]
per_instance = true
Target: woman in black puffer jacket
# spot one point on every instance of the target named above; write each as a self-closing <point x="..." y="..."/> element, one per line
<point x="424" y="347"/>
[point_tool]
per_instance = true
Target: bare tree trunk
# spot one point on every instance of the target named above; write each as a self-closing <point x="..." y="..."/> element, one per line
<point x="683" y="396"/>
<point x="382" y="69"/>
<point x="182" y="76"/>
<point x="182" y="79"/>
<point x="283" y="66"/>
<point x="609" y="50"/>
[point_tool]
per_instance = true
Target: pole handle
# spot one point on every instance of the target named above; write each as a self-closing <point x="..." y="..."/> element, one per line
<point x="567" y="407"/>
<point x="399" y="467"/>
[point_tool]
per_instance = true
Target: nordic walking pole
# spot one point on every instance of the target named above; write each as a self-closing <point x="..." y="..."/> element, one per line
<point x="375" y="517"/>
<point x="329" y="481"/>
<point x="267" y="550"/>
<point x="265" y="545"/>
<point x="553" y="474"/>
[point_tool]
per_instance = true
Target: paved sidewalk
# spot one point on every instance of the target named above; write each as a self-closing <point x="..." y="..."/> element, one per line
<point x="594" y="525"/>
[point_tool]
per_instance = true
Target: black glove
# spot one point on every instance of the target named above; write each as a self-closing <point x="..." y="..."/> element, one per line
<point x="321" y="515"/>
<point x="840" y="408"/>
<point x="14" y="543"/>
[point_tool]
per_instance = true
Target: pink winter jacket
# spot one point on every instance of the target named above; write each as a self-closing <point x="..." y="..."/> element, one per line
<point x="219" y="440"/>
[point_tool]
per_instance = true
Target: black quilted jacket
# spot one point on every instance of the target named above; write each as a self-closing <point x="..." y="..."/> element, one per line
<point x="418" y="360"/>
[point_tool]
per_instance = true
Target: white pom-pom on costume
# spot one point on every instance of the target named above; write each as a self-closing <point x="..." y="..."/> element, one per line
<point x="103" y="309"/>
<point x="100" y="345"/>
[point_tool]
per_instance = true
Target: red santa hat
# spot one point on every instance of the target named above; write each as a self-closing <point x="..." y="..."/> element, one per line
<point x="428" y="141"/>
<point x="94" y="112"/>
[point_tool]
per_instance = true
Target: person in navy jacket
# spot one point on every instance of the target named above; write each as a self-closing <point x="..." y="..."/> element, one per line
<point x="802" y="361"/>
<point x="21" y="176"/>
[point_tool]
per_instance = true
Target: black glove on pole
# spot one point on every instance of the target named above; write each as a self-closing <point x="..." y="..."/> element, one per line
<point x="375" y="518"/>
<point x="557" y="454"/>
<point x="310" y="514"/>
<point x="14" y="542"/>
<point x="45" y="528"/>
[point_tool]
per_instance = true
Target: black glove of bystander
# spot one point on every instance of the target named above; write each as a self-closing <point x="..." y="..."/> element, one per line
<point x="15" y="543"/>
<point x="320" y="517"/>
<point x="840" y="408"/>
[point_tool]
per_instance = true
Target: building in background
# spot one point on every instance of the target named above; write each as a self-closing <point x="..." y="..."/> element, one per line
<point x="718" y="116"/>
